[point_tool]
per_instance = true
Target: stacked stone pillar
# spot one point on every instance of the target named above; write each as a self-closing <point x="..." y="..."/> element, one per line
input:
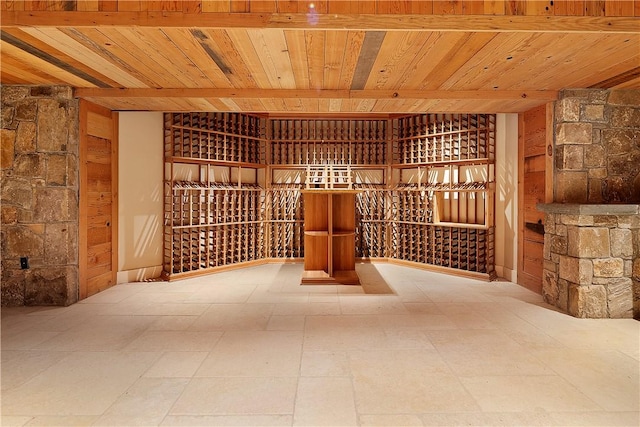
<point x="592" y="231"/>
<point x="39" y="196"/>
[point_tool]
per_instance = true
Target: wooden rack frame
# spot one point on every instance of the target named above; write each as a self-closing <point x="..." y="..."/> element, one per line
<point x="430" y="204"/>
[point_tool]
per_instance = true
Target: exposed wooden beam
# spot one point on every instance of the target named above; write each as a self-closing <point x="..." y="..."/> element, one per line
<point x="541" y="95"/>
<point x="468" y="23"/>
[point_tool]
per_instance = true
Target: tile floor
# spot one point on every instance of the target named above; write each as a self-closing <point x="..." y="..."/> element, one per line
<point x="253" y="347"/>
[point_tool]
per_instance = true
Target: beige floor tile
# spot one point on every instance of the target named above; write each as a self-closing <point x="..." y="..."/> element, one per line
<point x="146" y="403"/>
<point x="381" y="420"/>
<point x="174" y="341"/>
<point x="609" y="378"/>
<point x="177" y="364"/>
<point x="21" y="340"/>
<point x="237" y="396"/>
<point x="527" y="393"/>
<point x="334" y="299"/>
<point x="325" y="401"/>
<point x="345" y="339"/>
<point x="229" y="420"/>
<point x="325" y="364"/>
<point x="371" y="304"/>
<point x="286" y="323"/>
<point x="489" y="419"/>
<point x="172" y="323"/>
<point x="597" y="419"/>
<point x="411" y="362"/>
<point x="19" y="366"/>
<point x="60" y="421"/>
<point x="84" y="383"/>
<point x="254" y="354"/>
<point x="309" y="308"/>
<point x="222" y="294"/>
<point x="393" y="322"/>
<point x="407" y="393"/>
<point x="314" y="323"/>
<point x="14" y="421"/>
<point x="234" y="317"/>
<point x="485" y="352"/>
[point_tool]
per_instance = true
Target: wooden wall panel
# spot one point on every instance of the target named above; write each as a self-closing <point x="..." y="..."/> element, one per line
<point x="98" y="199"/>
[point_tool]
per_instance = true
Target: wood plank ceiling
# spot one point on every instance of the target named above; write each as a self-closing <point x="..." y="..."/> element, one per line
<point x="322" y="57"/>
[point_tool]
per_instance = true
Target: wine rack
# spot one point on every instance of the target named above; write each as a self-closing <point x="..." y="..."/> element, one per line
<point x="423" y="187"/>
<point x="227" y="137"/>
<point x="336" y="142"/>
<point x="211" y="225"/>
<point x="285" y="223"/>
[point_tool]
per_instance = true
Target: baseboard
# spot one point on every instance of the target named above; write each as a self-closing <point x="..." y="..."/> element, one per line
<point x="507" y="273"/>
<point x="139" y="274"/>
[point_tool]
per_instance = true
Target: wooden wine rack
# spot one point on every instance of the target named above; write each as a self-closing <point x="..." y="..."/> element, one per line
<point x="425" y="197"/>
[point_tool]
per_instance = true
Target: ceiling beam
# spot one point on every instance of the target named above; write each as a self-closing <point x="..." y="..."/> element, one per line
<point x="414" y="22"/>
<point x="540" y="95"/>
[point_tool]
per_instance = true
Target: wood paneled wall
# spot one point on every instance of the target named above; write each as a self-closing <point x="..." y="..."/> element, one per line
<point x="98" y="229"/>
<point x="428" y="7"/>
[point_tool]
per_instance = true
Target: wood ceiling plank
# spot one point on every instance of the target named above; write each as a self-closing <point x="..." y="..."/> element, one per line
<point x="422" y="7"/>
<point x="489" y="66"/>
<point x="271" y="46"/>
<point x="455" y="58"/>
<point x="516" y="7"/>
<point x="594" y="7"/>
<point x="107" y="5"/>
<point x="83" y="54"/>
<point x="493" y="7"/>
<point x="473" y="7"/>
<point x="396" y="56"/>
<point x="540" y="8"/>
<point x="447" y="7"/>
<point x="619" y="8"/>
<point x="88" y="6"/>
<point x="315" y="46"/>
<point x="236" y="45"/>
<point x="12" y="5"/>
<point x="24" y="73"/>
<point x="297" y="49"/>
<point x="569" y="7"/>
<point x="335" y="50"/>
<point x="196" y="55"/>
<point x="44" y="51"/>
<point x="33" y="63"/>
<point x="354" y="42"/>
<point x="368" y="54"/>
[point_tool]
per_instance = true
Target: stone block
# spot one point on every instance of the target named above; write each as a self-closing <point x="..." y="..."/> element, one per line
<point x="621" y="243"/>
<point x="61" y="243"/>
<point x="12" y="287"/>
<point x="30" y="165"/>
<point x="576" y="93"/>
<point x="595" y="190"/>
<point x="572" y="157"/>
<point x="11" y="94"/>
<point x="550" y="223"/>
<point x="595" y="156"/>
<point x="624" y="97"/>
<point x="636" y="269"/>
<point x="6" y="117"/>
<point x="17" y="192"/>
<point x="589" y="242"/>
<point x="568" y="110"/>
<point x="53" y="204"/>
<point x="550" y="290"/>
<point x="571" y="187"/>
<point x="7" y="150"/>
<point x="620" y="298"/>
<point x="575" y="270"/>
<point x="559" y="244"/>
<point x="57" y="169"/>
<point x="574" y="133"/>
<point x="615" y="189"/>
<point x="619" y="141"/>
<point x="52" y="126"/>
<point x="573" y="220"/>
<point x="51" y="286"/>
<point x="26" y="137"/>
<point x="563" y="295"/>
<point x="26" y="110"/>
<point x="588" y="301"/>
<point x="562" y="230"/>
<point x="628" y="268"/>
<point x="625" y="117"/>
<point x="608" y="267"/>
<point x="19" y="241"/>
<point x="9" y="215"/>
<point x="593" y="113"/>
<point x="550" y="266"/>
<point x="597" y="173"/>
<point x="605" y="221"/>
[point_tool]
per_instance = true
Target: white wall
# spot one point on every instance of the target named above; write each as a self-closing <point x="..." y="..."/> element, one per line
<point x="140" y="181"/>
<point x="506" y="214"/>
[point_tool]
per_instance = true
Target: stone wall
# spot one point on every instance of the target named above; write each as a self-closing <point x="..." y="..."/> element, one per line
<point x="592" y="259"/>
<point x="39" y="195"/>
<point x="597" y="146"/>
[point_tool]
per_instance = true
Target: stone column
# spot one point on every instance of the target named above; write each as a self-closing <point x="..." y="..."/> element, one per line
<point x="39" y="196"/>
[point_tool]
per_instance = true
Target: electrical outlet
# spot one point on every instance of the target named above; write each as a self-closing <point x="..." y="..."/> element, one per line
<point x="24" y="263"/>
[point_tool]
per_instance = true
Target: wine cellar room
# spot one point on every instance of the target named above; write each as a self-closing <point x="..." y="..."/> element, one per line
<point x="201" y="193"/>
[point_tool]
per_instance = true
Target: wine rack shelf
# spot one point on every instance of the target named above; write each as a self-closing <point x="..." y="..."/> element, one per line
<point x="423" y="184"/>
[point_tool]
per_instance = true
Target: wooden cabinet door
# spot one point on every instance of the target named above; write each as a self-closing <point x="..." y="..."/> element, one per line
<point x="98" y="172"/>
<point x="535" y="186"/>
